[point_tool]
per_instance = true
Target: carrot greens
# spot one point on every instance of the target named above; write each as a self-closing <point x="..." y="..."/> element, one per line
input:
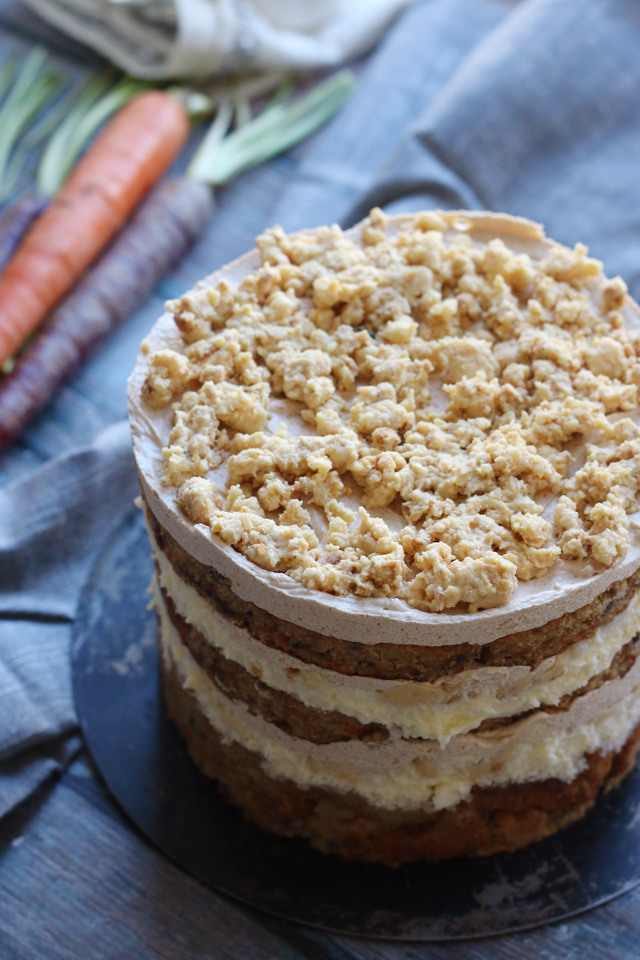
<point x="7" y="73"/>
<point x="212" y="138"/>
<point x="18" y="166"/>
<point x="31" y="90"/>
<point x="278" y="127"/>
<point x="284" y="90"/>
<point x="242" y="108"/>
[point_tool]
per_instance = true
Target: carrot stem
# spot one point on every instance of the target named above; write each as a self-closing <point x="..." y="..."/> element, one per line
<point x="7" y="73"/>
<point x="18" y="168"/>
<point x="197" y="104"/>
<point x="77" y="105"/>
<point x="199" y="165"/>
<point x="30" y="92"/>
<point x="277" y="128"/>
<point x="242" y="110"/>
<point x="285" y="89"/>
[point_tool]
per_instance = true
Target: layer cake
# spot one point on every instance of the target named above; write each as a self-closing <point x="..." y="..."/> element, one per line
<point x="390" y="481"/>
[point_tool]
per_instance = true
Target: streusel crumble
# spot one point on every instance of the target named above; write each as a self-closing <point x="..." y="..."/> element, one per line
<point x="427" y="370"/>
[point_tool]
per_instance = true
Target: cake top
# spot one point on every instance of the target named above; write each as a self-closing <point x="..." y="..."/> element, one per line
<point x="432" y="408"/>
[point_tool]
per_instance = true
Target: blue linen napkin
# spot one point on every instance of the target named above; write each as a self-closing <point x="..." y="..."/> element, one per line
<point x="52" y="526"/>
<point x="531" y="109"/>
<point x="542" y="121"/>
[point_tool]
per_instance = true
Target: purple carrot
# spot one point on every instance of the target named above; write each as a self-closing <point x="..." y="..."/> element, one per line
<point x="160" y="232"/>
<point x="16" y="220"/>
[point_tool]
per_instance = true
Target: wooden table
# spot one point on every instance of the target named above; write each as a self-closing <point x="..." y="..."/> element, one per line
<point x="77" y="880"/>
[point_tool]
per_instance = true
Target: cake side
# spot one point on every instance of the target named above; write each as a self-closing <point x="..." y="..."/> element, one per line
<point x="401" y="773"/>
<point x="392" y="661"/>
<point x="492" y="821"/>
<point x="397" y="801"/>
<point x="334" y="705"/>
<point x="390" y="482"/>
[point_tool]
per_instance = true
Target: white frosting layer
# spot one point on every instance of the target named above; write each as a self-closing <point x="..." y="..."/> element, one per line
<point x="567" y="588"/>
<point x="431" y="711"/>
<point x="408" y="774"/>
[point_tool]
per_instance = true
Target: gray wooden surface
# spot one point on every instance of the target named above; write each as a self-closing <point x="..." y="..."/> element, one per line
<point x="77" y="880"/>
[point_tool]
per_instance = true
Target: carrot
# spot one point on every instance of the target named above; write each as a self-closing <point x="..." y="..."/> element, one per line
<point x="160" y="232"/>
<point x="75" y="120"/>
<point x="125" y="161"/>
<point x="16" y="220"/>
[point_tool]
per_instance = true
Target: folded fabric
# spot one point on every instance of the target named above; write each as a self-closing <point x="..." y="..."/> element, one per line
<point x="198" y="38"/>
<point x="407" y="74"/>
<point x="52" y="527"/>
<point x="542" y="121"/>
<point x="21" y="775"/>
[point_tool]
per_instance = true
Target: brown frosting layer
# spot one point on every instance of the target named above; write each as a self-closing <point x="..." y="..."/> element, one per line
<point x="321" y="726"/>
<point x="387" y="661"/>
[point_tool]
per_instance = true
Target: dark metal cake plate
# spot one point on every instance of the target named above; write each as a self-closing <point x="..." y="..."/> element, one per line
<point x="146" y="767"/>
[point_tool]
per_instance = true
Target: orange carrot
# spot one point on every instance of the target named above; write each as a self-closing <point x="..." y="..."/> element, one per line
<point x="130" y="155"/>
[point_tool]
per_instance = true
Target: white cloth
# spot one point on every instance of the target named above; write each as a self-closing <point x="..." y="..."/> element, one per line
<point x="199" y="38"/>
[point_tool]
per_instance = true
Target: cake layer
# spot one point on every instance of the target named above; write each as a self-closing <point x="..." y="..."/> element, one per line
<point x="318" y="725"/>
<point x="425" y="710"/>
<point x="576" y="303"/>
<point x="492" y="820"/>
<point x="287" y="712"/>
<point x="392" y="661"/>
<point x="403" y="774"/>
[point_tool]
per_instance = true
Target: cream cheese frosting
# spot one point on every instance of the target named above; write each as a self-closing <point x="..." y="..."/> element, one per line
<point x="433" y="711"/>
<point x="401" y="774"/>
<point x="372" y="620"/>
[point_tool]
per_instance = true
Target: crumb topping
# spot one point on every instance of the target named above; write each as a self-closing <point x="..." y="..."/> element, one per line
<point x="459" y="383"/>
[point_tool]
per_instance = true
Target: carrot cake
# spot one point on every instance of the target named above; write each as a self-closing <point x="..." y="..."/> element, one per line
<point x="390" y="478"/>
